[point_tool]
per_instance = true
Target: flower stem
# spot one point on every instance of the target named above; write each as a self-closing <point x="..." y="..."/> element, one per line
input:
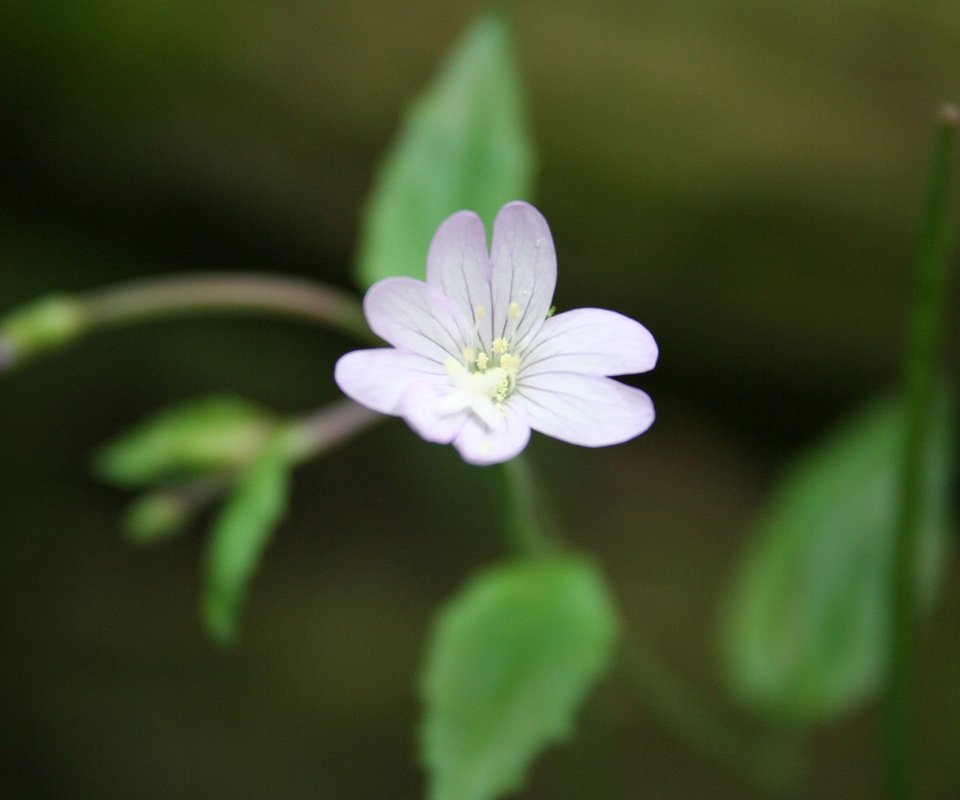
<point x="770" y="763"/>
<point x="227" y="292"/>
<point x="166" y="511"/>
<point x="528" y="524"/>
<point x="318" y="433"/>
<point x="55" y="321"/>
<point x="925" y="341"/>
<point x="530" y="530"/>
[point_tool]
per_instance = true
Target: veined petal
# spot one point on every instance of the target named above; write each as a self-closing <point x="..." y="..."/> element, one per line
<point x="435" y="409"/>
<point x="524" y="272"/>
<point x="583" y="409"/>
<point x="417" y="318"/>
<point x="458" y="265"/>
<point x="590" y="341"/>
<point x="378" y="378"/>
<point x="478" y="444"/>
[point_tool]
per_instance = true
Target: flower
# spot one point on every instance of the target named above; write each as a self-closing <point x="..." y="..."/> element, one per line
<point x="477" y="358"/>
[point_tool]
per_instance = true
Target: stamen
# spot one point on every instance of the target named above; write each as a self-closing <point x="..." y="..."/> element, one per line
<point x="500" y="346"/>
<point x="482" y="361"/>
<point x="469" y="354"/>
<point x="513" y="310"/>
<point x="480" y="312"/>
<point x="509" y="363"/>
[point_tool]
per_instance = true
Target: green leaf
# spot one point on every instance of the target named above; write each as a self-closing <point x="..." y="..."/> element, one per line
<point x="214" y="434"/>
<point x="510" y="661"/>
<point x="240" y="535"/>
<point x="464" y="145"/>
<point x="808" y="623"/>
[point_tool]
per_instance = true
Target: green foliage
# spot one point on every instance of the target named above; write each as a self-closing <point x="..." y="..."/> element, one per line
<point x="214" y="434"/>
<point x="241" y="534"/>
<point x="510" y="662"/>
<point x="809" y="620"/>
<point x="464" y="144"/>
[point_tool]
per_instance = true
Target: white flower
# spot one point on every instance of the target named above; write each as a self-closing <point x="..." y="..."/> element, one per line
<point x="477" y="360"/>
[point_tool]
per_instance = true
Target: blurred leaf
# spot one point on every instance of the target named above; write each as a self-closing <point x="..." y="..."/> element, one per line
<point x="510" y="662"/>
<point x="808" y="623"/>
<point x="220" y="433"/>
<point x="241" y="534"/>
<point x="463" y="145"/>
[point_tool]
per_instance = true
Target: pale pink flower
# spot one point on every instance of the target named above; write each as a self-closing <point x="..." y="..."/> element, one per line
<point x="478" y="361"/>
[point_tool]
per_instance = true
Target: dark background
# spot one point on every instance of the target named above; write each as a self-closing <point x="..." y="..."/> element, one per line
<point x="745" y="178"/>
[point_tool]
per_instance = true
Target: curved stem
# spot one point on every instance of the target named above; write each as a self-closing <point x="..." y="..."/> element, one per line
<point x="166" y="511"/>
<point x="317" y="433"/>
<point x="772" y="765"/>
<point x="925" y="340"/>
<point x="226" y="292"/>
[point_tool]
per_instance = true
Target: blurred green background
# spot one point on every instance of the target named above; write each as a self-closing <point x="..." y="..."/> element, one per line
<point x="745" y="178"/>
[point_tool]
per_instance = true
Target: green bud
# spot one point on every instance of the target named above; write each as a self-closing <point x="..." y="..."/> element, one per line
<point x="43" y="325"/>
<point x="156" y="516"/>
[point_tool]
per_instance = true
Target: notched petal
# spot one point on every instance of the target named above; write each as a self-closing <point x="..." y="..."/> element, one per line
<point x="433" y="410"/>
<point x="481" y="445"/>
<point x="524" y="272"/>
<point x="585" y="410"/>
<point x="458" y="265"/>
<point x="416" y="318"/>
<point x="378" y="378"/>
<point x="591" y="341"/>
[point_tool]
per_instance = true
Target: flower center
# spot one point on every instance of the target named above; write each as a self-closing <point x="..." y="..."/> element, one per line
<point x="482" y="381"/>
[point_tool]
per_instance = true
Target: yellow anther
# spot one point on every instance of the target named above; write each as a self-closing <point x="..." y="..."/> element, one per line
<point x="500" y="346"/>
<point x="482" y="361"/>
<point x="509" y="363"/>
<point x="480" y="312"/>
<point x="513" y="310"/>
<point x="469" y="354"/>
<point x="502" y="391"/>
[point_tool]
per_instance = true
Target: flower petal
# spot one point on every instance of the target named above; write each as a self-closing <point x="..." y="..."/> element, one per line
<point x="583" y="409"/>
<point x="426" y="407"/>
<point x="378" y="378"/>
<point x="481" y="445"/>
<point x="417" y="318"/>
<point x="458" y="265"/>
<point x="524" y="272"/>
<point x="590" y="341"/>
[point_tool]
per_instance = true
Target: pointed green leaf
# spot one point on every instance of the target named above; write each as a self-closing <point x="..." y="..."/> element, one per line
<point x="510" y="662"/>
<point x="463" y="145"/>
<point x="219" y="433"/>
<point x="241" y="534"/>
<point x="808" y="623"/>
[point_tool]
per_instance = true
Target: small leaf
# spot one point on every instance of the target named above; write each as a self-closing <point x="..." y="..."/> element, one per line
<point x="511" y="660"/>
<point x="241" y="534"/>
<point x="808" y="623"/>
<point x="214" y="434"/>
<point x="464" y="145"/>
